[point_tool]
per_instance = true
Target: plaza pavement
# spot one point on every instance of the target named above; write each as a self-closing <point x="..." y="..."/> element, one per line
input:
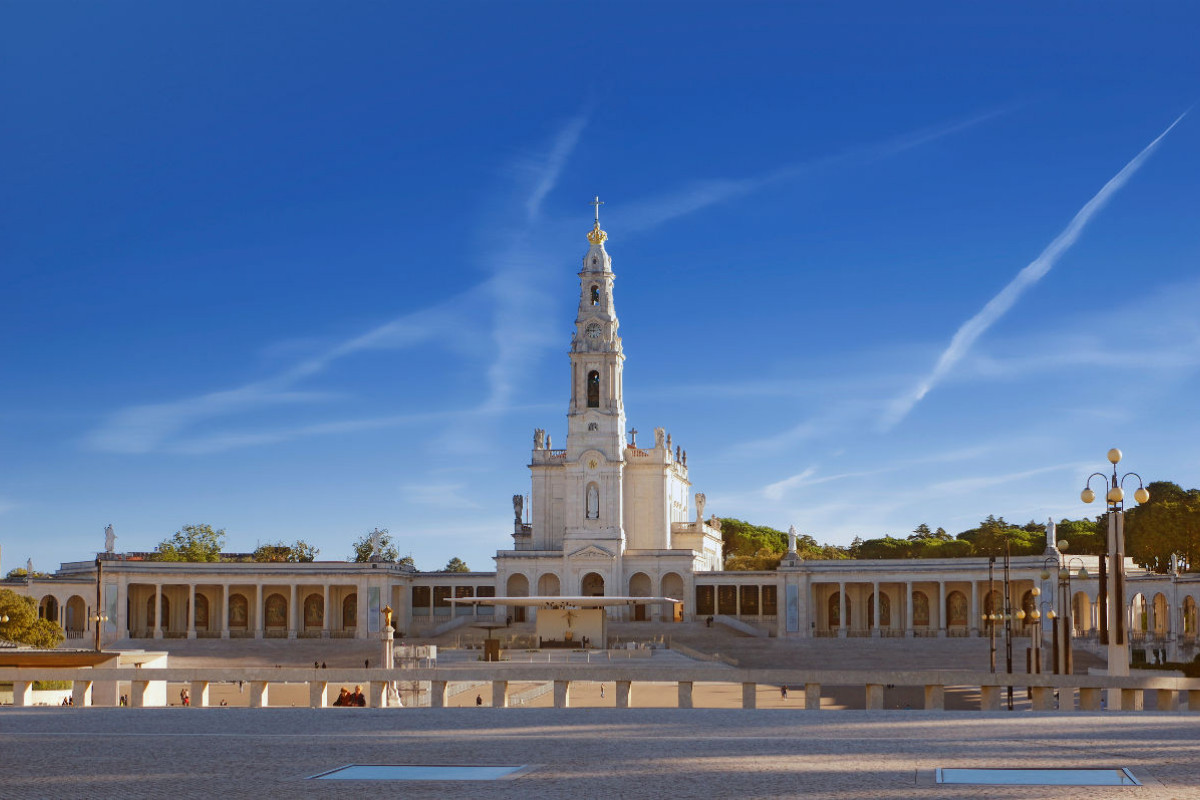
<point x="231" y="753"/>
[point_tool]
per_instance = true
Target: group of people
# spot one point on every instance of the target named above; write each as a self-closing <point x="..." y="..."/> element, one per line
<point x="348" y="698"/>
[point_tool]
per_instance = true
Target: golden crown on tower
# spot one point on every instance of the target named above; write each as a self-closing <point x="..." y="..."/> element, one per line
<point x="595" y="235"/>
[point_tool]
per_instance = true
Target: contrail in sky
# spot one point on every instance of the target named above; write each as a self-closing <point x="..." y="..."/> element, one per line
<point x="977" y="325"/>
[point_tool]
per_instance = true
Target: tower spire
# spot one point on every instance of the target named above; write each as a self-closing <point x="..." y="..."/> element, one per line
<point x="597" y="236"/>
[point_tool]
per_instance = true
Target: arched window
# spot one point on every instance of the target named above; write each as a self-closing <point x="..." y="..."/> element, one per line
<point x="593" y="389"/>
<point x="595" y="295"/>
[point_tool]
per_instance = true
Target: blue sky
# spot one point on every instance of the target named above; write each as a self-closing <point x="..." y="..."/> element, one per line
<point x="299" y="270"/>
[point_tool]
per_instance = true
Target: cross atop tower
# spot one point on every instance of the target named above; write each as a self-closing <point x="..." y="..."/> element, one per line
<point x="597" y="203"/>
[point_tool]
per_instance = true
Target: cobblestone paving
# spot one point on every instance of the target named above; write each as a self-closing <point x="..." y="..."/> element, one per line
<point x="230" y="753"/>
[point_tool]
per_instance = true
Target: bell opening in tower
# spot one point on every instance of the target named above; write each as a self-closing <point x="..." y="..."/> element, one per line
<point x="595" y="295"/>
<point x="593" y="389"/>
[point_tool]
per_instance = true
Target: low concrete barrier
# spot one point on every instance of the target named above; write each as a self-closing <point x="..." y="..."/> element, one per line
<point x="147" y="686"/>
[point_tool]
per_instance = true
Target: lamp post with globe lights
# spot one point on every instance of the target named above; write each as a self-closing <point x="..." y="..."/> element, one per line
<point x="1112" y="585"/>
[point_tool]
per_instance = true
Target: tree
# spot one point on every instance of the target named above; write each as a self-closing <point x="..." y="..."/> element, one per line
<point x="755" y="547"/>
<point x="296" y="552"/>
<point x="21" y="572"/>
<point x="1168" y="524"/>
<point x="362" y="546"/>
<point x="921" y="533"/>
<point x="191" y="543"/>
<point x="407" y="561"/>
<point x="24" y="626"/>
<point x="456" y="564"/>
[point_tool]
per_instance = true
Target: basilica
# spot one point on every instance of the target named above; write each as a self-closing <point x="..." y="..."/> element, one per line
<point x="606" y="517"/>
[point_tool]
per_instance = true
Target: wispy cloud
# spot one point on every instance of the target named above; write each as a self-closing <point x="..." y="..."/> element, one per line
<point x="455" y="323"/>
<point x="776" y="490"/>
<point x="694" y="196"/>
<point x="978" y="484"/>
<point x="976" y="326"/>
<point x="546" y="171"/>
<point x="439" y="495"/>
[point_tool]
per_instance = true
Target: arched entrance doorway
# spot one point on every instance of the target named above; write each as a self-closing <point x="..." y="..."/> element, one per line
<point x="593" y="585"/>
<point x="639" y="586"/>
<point x="517" y="586"/>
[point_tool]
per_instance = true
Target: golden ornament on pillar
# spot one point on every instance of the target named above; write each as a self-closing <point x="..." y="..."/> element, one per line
<point x="387" y="616"/>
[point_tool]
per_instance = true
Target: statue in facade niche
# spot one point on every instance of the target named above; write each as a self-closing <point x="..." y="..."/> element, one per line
<point x="593" y="502"/>
<point x="110" y="539"/>
<point x="660" y="438"/>
<point x="539" y="439"/>
<point x="701" y="500"/>
<point x="518" y="507"/>
<point x="792" y="539"/>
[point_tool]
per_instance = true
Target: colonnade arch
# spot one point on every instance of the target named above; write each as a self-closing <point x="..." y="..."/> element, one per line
<point x="592" y="585"/>
<point x="517" y="585"/>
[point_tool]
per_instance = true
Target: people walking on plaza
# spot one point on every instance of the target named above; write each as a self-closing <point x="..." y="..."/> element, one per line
<point x="357" y="698"/>
<point x="602" y="691"/>
<point x="184" y="698"/>
<point x="478" y="700"/>
<point x="783" y="692"/>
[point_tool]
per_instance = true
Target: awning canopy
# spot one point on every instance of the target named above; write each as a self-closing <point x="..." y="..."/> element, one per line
<point x="563" y="602"/>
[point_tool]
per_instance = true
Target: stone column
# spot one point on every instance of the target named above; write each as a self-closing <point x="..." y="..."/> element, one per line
<point x="875" y="620"/>
<point x="258" y="694"/>
<point x="874" y="696"/>
<point x="562" y="694"/>
<point x="499" y="694"/>
<point x="293" y="615"/>
<point x="812" y="696"/>
<point x="973" y="625"/>
<point x="1166" y="700"/>
<point x="318" y="694"/>
<point x="943" y="622"/>
<point x="122" y="608"/>
<point x="908" y="610"/>
<point x="842" y="609"/>
<point x="685" y="694"/>
<point x="137" y="693"/>
<point x="935" y="697"/>
<point x="258" y="611"/>
<point x="225" y="612"/>
<point x="1066" y="698"/>
<point x="158" y="633"/>
<point x="199" y="694"/>
<point x="989" y="698"/>
<point x="625" y="694"/>
<point x="437" y="694"/>
<point x="749" y="695"/>
<point x="81" y="693"/>
<point x="376" y="694"/>
<point x="1089" y="699"/>
<point x="22" y="693"/>
<point x="325" y="614"/>
<point x="191" y="617"/>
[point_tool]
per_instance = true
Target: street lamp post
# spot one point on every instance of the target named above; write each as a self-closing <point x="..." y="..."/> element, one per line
<point x="991" y="616"/>
<point x="1112" y="579"/>
<point x="98" y="617"/>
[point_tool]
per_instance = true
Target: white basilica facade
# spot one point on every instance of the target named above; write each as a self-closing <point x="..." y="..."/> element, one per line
<point x="606" y="517"/>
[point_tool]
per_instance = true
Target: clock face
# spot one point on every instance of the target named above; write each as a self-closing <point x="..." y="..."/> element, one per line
<point x="594" y="330"/>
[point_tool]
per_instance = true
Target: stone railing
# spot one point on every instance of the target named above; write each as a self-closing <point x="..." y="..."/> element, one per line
<point x="100" y="686"/>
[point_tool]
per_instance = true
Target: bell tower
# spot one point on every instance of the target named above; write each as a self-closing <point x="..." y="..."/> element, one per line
<point x="596" y="415"/>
